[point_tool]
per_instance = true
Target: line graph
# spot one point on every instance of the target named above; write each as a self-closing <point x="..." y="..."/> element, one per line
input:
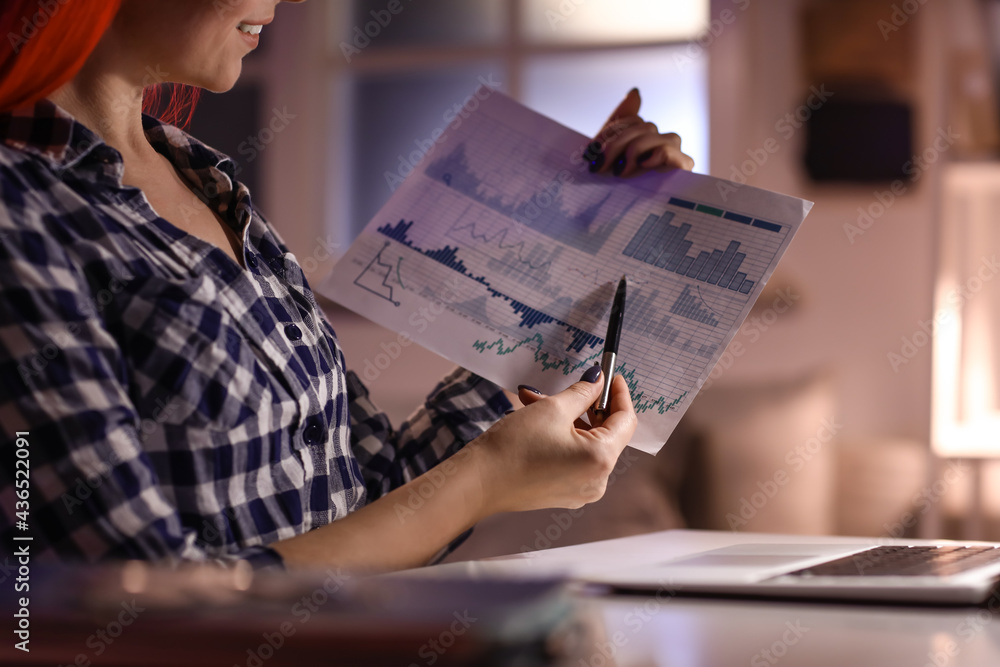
<point x="530" y="316"/>
<point x="543" y="358"/>
<point x="377" y="275"/>
<point x="503" y="253"/>
<point x="543" y="209"/>
<point x="536" y="342"/>
<point x="528" y="266"/>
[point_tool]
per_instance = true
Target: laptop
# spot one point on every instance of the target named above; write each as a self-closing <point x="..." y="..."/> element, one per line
<point x="953" y="573"/>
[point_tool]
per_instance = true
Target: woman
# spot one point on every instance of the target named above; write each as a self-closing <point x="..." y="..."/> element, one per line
<point x="164" y="362"/>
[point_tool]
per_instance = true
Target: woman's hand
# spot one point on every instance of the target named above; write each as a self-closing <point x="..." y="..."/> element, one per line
<point x="543" y="455"/>
<point x="628" y="145"/>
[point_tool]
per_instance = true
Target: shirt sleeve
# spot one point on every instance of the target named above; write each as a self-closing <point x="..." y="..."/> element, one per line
<point x="460" y="408"/>
<point x="93" y="493"/>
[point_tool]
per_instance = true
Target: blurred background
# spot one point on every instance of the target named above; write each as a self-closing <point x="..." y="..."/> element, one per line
<point x="868" y="407"/>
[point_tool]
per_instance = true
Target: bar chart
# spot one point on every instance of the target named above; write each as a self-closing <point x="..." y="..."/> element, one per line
<point x="694" y="308"/>
<point x="504" y="251"/>
<point x="665" y="246"/>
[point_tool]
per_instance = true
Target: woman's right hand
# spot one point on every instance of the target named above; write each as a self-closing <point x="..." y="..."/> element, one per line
<point x="543" y="455"/>
<point x="539" y="456"/>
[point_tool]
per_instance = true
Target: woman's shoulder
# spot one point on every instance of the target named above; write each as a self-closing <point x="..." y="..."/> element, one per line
<point x="22" y="187"/>
<point x="29" y="199"/>
<point x="41" y="220"/>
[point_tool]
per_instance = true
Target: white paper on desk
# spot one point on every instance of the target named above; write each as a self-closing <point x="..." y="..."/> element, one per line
<point x="501" y="252"/>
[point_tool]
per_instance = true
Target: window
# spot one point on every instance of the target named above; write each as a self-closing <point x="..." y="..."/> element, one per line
<point x="399" y="66"/>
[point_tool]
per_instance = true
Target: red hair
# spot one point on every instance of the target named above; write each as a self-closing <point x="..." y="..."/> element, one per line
<point x="49" y="40"/>
<point x="178" y="107"/>
<point x="47" y="43"/>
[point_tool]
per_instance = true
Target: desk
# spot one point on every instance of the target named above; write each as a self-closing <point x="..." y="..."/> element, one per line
<point x="709" y="632"/>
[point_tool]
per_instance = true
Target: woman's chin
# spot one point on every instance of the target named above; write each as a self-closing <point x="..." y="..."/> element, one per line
<point x="220" y="83"/>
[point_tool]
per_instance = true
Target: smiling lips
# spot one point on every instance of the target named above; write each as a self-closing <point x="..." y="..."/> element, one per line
<point x="250" y="32"/>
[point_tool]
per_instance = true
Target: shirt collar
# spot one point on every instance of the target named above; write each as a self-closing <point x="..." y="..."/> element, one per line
<point x="50" y="133"/>
<point x="46" y="131"/>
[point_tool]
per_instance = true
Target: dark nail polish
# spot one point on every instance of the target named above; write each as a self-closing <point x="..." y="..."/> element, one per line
<point x="529" y="388"/>
<point x="511" y="411"/>
<point x="643" y="157"/>
<point x="597" y="162"/>
<point x="592" y="374"/>
<point x="593" y="149"/>
<point x="619" y="166"/>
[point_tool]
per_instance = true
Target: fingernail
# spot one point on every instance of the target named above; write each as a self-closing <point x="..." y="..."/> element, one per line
<point x="511" y="411"/>
<point x="644" y="156"/>
<point x="619" y="166"/>
<point x="529" y="388"/>
<point x="634" y="90"/>
<point x="592" y="374"/>
<point x="592" y="151"/>
<point x="597" y="162"/>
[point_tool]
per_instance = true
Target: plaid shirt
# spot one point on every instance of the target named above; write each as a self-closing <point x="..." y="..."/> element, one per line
<point x="177" y="405"/>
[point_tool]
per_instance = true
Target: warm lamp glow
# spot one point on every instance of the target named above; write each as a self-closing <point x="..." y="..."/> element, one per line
<point x="966" y="322"/>
<point x="606" y="21"/>
<point x="979" y="437"/>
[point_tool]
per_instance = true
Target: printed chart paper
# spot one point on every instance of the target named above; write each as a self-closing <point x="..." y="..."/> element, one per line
<point x="501" y="252"/>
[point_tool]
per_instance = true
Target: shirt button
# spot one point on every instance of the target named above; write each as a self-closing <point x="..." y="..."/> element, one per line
<point x="313" y="433"/>
<point x="251" y="260"/>
<point x="293" y="332"/>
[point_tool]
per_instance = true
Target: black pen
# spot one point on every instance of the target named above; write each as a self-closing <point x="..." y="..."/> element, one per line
<point x="615" y="322"/>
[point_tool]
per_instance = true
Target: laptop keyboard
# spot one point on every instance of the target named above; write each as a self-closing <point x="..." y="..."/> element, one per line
<point x="905" y="562"/>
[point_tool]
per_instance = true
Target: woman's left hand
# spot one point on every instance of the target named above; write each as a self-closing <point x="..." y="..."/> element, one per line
<point x="628" y="145"/>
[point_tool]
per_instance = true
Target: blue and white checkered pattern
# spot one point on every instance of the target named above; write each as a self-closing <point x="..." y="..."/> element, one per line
<point x="179" y="406"/>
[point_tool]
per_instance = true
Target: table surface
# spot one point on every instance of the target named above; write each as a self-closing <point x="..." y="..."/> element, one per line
<point x="650" y="629"/>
